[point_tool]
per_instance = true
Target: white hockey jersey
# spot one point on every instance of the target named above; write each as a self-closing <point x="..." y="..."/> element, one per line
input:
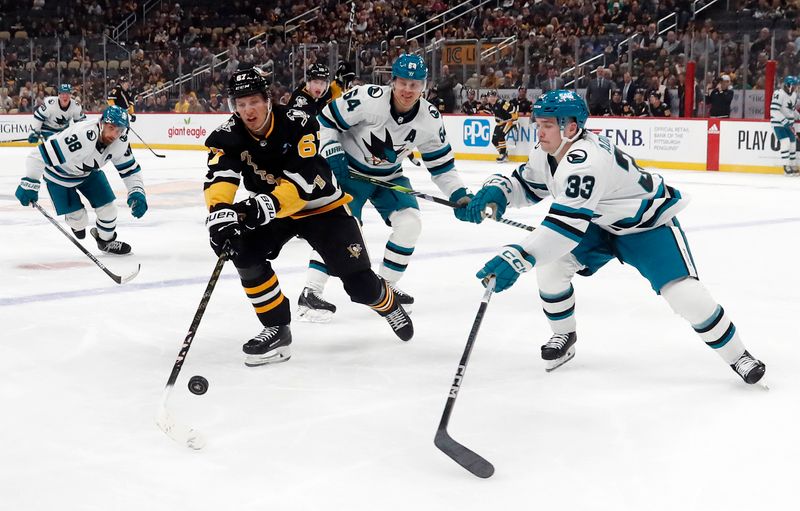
<point x="69" y="157"/>
<point x="594" y="182"/>
<point x="782" y="112"/>
<point x="49" y="117"/>
<point x="376" y="138"/>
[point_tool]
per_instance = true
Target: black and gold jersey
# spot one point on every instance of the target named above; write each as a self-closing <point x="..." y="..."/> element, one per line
<point x="122" y="98"/>
<point x="284" y="163"/>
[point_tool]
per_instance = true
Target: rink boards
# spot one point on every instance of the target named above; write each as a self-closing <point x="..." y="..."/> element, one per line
<point x="689" y="144"/>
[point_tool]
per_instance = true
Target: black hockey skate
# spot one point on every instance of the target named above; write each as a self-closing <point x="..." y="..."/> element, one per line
<point x="750" y="369"/>
<point x="269" y="347"/>
<point x="313" y="309"/>
<point x="111" y="246"/>
<point x="400" y="321"/>
<point x="502" y="157"/>
<point x="405" y="299"/>
<point x="79" y="233"/>
<point x="559" y="350"/>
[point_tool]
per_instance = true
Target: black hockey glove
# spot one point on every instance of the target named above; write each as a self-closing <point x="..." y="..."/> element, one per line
<point x="257" y="210"/>
<point x="223" y="226"/>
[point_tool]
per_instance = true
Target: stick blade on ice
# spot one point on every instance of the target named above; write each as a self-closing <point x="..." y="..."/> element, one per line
<point x="467" y="458"/>
<point x="181" y="433"/>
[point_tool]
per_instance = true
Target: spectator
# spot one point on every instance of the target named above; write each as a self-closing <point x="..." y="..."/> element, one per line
<point x="616" y="107"/>
<point x="553" y="82"/>
<point x="720" y="98"/>
<point x="627" y="88"/>
<point x="446" y="84"/>
<point x="598" y="94"/>
<point x="182" y="106"/>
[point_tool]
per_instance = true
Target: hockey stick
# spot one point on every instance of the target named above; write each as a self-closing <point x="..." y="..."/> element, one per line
<point x="437" y="200"/>
<point x="14" y="140"/>
<point x="116" y="278"/>
<point x="460" y="454"/>
<point x="146" y="144"/>
<point x="351" y="28"/>
<point x="181" y="433"/>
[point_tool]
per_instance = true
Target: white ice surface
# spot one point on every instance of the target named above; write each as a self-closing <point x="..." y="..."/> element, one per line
<point x="644" y="418"/>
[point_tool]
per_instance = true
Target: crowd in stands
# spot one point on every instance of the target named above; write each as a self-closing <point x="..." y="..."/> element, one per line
<point x="553" y="38"/>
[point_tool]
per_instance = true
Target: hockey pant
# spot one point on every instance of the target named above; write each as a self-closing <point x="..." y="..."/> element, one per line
<point x="335" y="235"/>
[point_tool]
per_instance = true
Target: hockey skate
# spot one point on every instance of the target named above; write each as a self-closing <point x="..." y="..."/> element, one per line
<point x="559" y="350"/>
<point x="79" y="233"/>
<point x="750" y="369"/>
<point x="111" y="246"/>
<point x="405" y="299"/>
<point x="269" y="347"/>
<point x="400" y="321"/>
<point x="503" y="157"/>
<point x="313" y="309"/>
<point x="789" y="170"/>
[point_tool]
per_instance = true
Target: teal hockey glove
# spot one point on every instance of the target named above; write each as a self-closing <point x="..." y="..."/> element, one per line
<point x="486" y="196"/>
<point x="507" y="266"/>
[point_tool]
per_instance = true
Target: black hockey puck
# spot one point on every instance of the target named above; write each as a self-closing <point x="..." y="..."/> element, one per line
<point x="198" y="385"/>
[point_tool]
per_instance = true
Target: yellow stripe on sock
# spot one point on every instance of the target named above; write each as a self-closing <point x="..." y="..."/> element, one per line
<point x="271" y="305"/>
<point x="262" y="287"/>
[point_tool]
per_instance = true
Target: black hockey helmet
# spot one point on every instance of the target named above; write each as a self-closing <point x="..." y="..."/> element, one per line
<point x="246" y="82"/>
<point x="492" y="92"/>
<point x="318" y="71"/>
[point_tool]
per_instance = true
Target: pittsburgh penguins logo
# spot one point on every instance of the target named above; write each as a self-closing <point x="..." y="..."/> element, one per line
<point x="355" y="250"/>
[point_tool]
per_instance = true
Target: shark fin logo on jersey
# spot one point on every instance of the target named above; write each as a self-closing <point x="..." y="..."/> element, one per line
<point x="577" y="156"/>
<point x="355" y="250"/>
<point x="383" y="150"/>
<point x="91" y="135"/>
<point x="87" y="169"/>
<point x="297" y="114"/>
<point x="375" y="92"/>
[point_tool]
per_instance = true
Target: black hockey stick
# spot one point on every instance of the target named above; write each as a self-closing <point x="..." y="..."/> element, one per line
<point x="146" y="144"/>
<point x="116" y="278"/>
<point x="460" y="454"/>
<point x="14" y="140"/>
<point x="432" y="198"/>
<point x="181" y="433"/>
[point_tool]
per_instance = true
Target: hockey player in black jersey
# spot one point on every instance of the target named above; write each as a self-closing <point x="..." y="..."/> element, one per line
<point x="122" y="97"/>
<point x="273" y="151"/>
<point x="312" y="95"/>
<point x="657" y="107"/>
<point x="470" y="106"/>
<point x="505" y="115"/>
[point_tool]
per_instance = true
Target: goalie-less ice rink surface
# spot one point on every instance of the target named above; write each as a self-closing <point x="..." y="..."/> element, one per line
<point x="646" y="417"/>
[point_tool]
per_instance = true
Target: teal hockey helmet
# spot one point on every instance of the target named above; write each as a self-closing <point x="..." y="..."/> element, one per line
<point x="410" y="67"/>
<point x="563" y="105"/>
<point x="65" y="88"/>
<point x="116" y="116"/>
<point x="790" y="81"/>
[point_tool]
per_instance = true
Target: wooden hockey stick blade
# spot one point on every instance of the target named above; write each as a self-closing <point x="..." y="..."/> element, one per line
<point x="467" y="458"/>
<point x="181" y="433"/>
<point x="122" y="280"/>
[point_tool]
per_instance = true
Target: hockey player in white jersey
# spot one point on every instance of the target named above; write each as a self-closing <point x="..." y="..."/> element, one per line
<point x="71" y="162"/>
<point x="604" y="206"/>
<point x="369" y="131"/>
<point x="55" y="114"/>
<point x="782" y="114"/>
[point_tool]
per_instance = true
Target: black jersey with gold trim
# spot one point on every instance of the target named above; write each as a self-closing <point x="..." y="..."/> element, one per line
<point x="284" y="164"/>
<point x="303" y="100"/>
